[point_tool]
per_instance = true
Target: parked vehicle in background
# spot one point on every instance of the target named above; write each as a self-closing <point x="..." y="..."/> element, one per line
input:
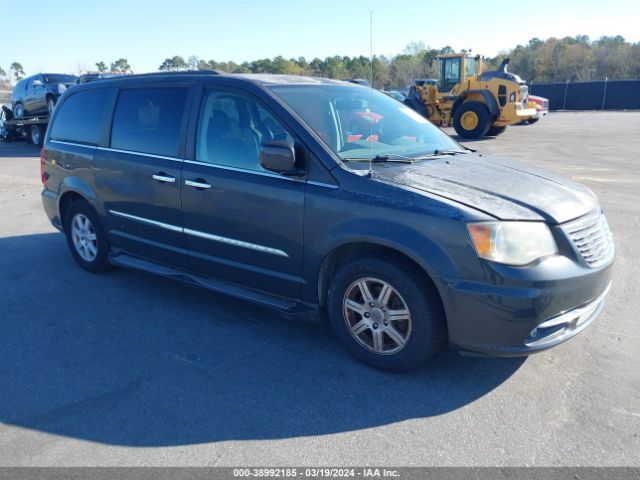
<point x="478" y="103"/>
<point x="254" y="186"/>
<point x="395" y="94"/>
<point x="90" y="77"/>
<point x="38" y="94"/>
<point x="421" y="82"/>
<point x="542" y="108"/>
<point x="360" y="81"/>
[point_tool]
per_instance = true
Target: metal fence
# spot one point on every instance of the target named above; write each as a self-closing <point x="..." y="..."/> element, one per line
<point x="601" y="95"/>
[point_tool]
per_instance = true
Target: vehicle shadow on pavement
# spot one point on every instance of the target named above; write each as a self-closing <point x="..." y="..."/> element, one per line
<point x="129" y="359"/>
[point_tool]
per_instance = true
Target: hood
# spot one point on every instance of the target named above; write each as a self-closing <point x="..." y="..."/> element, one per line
<point x="497" y="186"/>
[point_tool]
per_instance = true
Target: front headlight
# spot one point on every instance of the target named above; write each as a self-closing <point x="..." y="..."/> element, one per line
<point x="61" y="88"/>
<point x="512" y="243"/>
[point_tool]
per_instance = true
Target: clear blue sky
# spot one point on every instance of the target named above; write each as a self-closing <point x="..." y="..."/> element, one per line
<point x="71" y="35"/>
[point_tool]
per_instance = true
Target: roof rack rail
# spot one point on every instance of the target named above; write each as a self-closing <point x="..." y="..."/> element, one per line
<point x="183" y="72"/>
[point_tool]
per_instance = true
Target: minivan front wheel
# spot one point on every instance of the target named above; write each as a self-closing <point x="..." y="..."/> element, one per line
<point x="385" y="312"/>
<point x="85" y="237"/>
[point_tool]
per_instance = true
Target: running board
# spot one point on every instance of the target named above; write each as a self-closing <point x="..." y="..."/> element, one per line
<point x="286" y="306"/>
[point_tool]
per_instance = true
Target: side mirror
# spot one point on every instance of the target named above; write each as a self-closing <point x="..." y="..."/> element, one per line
<point x="279" y="156"/>
<point x="37" y="83"/>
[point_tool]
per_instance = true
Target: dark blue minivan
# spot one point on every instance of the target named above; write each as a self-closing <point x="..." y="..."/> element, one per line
<point x="309" y="195"/>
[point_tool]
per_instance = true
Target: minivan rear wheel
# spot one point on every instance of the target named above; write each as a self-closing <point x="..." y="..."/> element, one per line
<point x="85" y="237"/>
<point x="386" y="313"/>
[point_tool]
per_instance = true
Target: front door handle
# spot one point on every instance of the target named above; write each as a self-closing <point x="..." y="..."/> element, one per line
<point x="163" y="177"/>
<point x="198" y="183"/>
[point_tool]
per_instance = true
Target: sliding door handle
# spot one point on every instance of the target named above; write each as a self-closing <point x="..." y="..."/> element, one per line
<point x="198" y="183"/>
<point x="163" y="177"/>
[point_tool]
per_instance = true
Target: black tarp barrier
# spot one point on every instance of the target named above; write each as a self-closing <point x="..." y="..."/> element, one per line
<point x="601" y="95"/>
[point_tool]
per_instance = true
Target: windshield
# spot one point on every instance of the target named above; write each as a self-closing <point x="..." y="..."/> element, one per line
<point x="356" y="122"/>
<point x="55" y="78"/>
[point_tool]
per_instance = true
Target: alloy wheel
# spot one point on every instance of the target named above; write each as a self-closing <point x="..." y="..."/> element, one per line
<point x="377" y="316"/>
<point x="84" y="237"/>
<point x="35" y="135"/>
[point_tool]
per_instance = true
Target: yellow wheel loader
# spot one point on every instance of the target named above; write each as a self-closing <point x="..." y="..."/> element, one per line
<point x="478" y="103"/>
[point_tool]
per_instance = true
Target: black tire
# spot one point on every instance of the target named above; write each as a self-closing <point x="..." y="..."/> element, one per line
<point x="495" y="131"/>
<point x="427" y="320"/>
<point x="531" y="121"/>
<point x="36" y="135"/>
<point x="100" y="262"/>
<point x="51" y="104"/>
<point x="18" y="110"/>
<point x="483" y="120"/>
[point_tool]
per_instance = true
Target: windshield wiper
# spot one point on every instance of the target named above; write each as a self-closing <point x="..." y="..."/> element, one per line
<point x="445" y="151"/>
<point x="396" y="158"/>
<point x="386" y="158"/>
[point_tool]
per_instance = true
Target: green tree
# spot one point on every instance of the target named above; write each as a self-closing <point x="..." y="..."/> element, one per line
<point x="18" y="71"/>
<point x="245" y="67"/>
<point x="101" y="67"/>
<point x="173" y="64"/>
<point x="120" y="66"/>
<point x="2" y="72"/>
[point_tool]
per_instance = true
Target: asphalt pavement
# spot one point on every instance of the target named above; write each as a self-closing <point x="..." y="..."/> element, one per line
<point x="128" y="369"/>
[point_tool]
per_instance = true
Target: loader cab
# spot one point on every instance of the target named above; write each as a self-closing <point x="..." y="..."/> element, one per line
<point x="455" y="68"/>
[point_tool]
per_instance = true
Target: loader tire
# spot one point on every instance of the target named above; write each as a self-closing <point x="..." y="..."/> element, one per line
<point x="472" y="120"/>
<point x="495" y="131"/>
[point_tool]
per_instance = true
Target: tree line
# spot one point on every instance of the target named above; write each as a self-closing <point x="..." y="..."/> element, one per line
<point x="575" y="59"/>
<point x="570" y="59"/>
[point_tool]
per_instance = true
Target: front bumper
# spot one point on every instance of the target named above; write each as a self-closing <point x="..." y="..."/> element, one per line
<point x="547" y="305"/>
<point x="541" y="113"/>
<point x="566" y="325"/>
<point x="513" y="113"/>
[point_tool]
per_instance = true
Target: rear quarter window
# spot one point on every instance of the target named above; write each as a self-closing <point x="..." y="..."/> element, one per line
<point x="148" y="120"/>
<point x="20" y="87"/>
<point x="80" y="119"/>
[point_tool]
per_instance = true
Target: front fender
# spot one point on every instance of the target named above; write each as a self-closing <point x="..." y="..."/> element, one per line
<point x="486" y="95"/>
<point x="414" y="244"/>
<point x="410" y="242"/>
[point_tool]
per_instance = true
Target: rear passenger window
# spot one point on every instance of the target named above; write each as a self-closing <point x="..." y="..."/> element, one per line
<point x="81" y="117"/>
<point x="149" y="120"/>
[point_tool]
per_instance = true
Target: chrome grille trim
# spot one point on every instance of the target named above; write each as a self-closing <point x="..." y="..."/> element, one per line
<point x="591" y="238"/>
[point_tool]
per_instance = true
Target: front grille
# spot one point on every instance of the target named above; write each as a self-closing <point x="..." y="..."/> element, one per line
<point x="592" y="238"/>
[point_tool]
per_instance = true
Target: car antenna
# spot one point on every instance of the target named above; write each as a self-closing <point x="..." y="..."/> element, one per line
<point x="371" y="92"/>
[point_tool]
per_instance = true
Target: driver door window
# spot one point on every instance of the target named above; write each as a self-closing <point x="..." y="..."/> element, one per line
<point x="232" y="128"/>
